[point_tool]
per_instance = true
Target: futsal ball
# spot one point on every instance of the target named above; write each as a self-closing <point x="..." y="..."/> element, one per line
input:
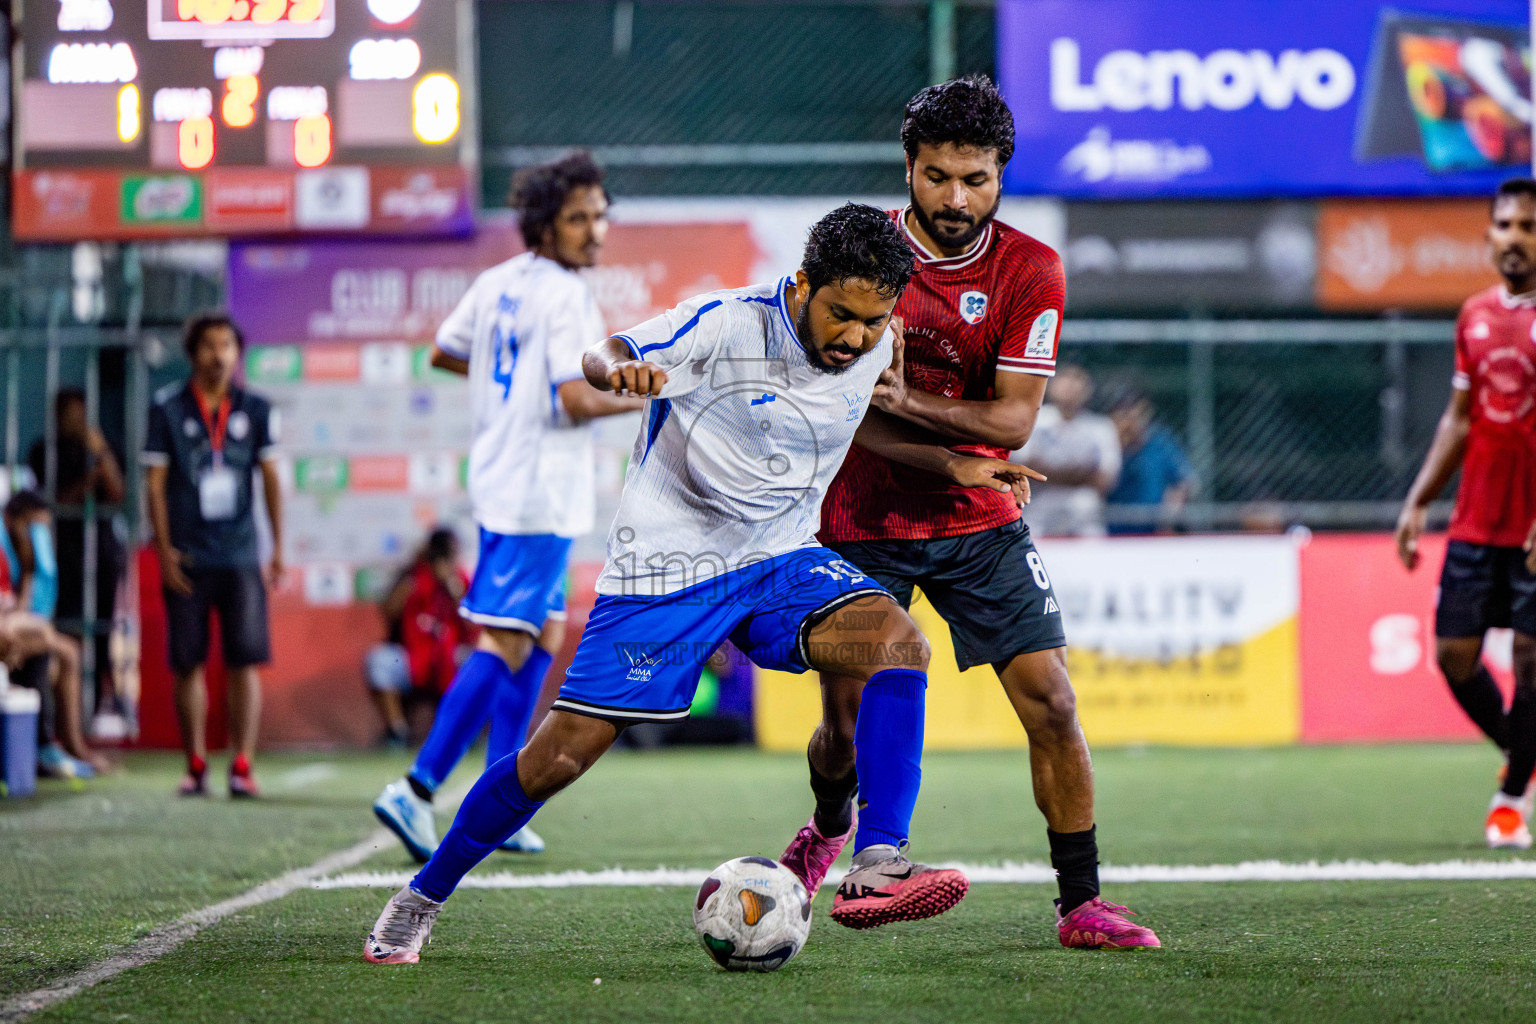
<point x="752" y="914"/>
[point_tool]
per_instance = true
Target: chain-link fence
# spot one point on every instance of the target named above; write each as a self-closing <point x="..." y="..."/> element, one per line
<point x="1320" y="423"/>
<point x="693" y="98"/>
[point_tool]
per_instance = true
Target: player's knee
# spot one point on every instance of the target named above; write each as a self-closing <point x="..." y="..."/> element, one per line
<point x="1060" y="706"/>
<point x="1524" y="658"/>
<point x="1456" y="664"/>
<point x="907" y="646"/>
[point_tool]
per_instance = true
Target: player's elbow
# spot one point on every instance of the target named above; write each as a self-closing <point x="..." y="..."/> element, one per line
<point x="594" y="367"/>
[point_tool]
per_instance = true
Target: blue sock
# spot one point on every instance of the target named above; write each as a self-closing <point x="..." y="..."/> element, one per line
<point x="460" y="717"/>
<point x="888" y="740"/>
<point x="512" y="706"/>
<point x="495" y="808"/>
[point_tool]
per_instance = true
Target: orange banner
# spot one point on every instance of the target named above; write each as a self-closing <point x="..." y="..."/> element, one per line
<point x="1408" y="254"/>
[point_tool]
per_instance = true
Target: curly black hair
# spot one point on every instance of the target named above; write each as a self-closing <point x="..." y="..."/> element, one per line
<point x="539" y="192"/>
<point x="965" y="111"/>
<point x="860" y="243"/>
<point x="200" y="324"/>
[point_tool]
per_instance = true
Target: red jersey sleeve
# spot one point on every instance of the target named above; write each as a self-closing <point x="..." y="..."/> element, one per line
<point x="1461" y="378"/>
<point x="1033" y="330"/>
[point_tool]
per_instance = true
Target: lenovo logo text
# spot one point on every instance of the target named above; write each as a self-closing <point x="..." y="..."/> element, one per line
<point x="1223" y="79"/>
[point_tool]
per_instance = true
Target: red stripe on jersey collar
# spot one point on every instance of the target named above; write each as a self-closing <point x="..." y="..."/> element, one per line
<point x="932" y="262"/>
<point x="1526" y="300"/>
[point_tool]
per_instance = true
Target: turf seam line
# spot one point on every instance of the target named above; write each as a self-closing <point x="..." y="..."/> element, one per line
<point x="1008" y="873"/>
<point x="164" y="940"/>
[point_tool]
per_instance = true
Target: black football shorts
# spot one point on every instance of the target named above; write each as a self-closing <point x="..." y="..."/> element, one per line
<point x="1482" y="588"/>
<point x="990" y="586"/>
<point x="239" y="596"/>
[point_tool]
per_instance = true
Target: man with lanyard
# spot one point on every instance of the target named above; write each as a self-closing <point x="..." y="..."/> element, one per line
<point x="205" y="440"/>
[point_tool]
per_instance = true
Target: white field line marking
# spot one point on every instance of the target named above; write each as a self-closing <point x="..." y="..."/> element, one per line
<point x="304" y="776"/>
<point x="1013" y="873"/>
<point x="163" y="940"/>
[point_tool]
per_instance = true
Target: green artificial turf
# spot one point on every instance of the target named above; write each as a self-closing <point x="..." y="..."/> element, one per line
<point x="93" y="870"/>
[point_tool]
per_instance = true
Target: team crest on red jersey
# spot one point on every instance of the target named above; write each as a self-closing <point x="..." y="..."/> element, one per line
<point x="973" y="306"/>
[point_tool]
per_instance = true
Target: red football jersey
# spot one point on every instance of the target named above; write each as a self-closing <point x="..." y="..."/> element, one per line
<point x="1496" y="361"/>
<point x="997" y="307"/>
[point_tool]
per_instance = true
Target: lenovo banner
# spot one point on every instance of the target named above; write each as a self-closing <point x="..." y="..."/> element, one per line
<point x="1253" y="97"/>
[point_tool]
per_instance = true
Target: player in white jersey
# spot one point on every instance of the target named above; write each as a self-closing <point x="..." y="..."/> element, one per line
<point x="519" y="334"/>
<point x="755" y="395"/>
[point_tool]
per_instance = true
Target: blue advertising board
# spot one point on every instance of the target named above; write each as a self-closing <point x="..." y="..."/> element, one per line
<point x="1199" y="98"/>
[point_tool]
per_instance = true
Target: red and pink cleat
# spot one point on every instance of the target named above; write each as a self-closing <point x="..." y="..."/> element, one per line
<point x="1100" y="924"/>
<point x="810" y="855"/>
<point x="885" y="887"/>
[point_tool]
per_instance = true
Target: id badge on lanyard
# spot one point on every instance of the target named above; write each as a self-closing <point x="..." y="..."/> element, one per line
<point x="217" y="490"/>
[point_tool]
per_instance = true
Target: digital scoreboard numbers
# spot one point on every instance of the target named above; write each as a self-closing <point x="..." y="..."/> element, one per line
<point x="154" y="118"/>
<point x="235" y="20"/>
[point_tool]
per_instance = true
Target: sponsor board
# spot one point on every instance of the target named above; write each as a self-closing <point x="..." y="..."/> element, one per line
<point x="1406" y="254"/>
<point x="1255" y="98"/>
<point x="1171" y="640"/>
<point x="404" y="199"/>
<point x="1213" y="255"/>
<point x="240" y="200"/>
<point x="332" y="197"/>
<point x="171" y="199"/>
<point x="1368" y="644"/>
<point x="63" y="204"/>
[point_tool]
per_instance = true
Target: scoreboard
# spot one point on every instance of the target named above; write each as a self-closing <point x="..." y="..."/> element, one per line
<point x="162" y="118"/>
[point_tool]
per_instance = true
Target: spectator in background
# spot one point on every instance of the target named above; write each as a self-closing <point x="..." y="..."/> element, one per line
<point x="1154" y="472"/>
<point x="1079" y="451"/>
<point x="86" y="466"/>
<point x="427" y="639"/>
<point x="206" y="440"/>
<point x="41" y="658"/>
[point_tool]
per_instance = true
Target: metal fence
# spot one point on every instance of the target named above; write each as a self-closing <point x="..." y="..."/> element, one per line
<point x="1320" y="423"/>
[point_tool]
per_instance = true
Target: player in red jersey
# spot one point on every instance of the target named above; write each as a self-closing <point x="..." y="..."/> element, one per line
<point x="981" y="321"/>
<point x="1488" y="430"/>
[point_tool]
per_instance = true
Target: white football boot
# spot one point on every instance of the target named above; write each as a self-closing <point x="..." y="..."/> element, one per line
<point x="402" y="929"/>
<point x="408" y="816"/>
<point x="524" y="840"/>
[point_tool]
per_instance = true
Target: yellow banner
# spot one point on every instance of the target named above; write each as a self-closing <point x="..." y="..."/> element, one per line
<point x="1180" y="641"/>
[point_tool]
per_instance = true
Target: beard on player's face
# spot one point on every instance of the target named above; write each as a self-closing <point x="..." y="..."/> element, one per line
<point x="812" y="353"/>
<point x="952" y="229"/>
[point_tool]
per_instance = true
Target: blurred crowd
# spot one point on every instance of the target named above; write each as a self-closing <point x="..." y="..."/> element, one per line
<point x="1115" y="471"/>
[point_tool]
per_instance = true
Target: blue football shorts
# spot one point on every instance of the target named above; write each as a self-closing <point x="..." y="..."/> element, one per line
<point x="519" y="581"/>
<point x="640" y="658"/>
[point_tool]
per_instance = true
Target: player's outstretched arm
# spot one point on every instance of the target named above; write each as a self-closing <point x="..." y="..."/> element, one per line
<point x="584" y="402"/>
<point x="1006" y="420"/>
<point x="1445" y="454"/>
<point x="450" y="362"/>
<point x="901" y="442"/>
<point x="611" y="366"/>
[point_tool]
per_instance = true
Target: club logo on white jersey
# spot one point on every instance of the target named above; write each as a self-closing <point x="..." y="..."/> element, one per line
<point x="973" y="306"/>
<point x="1042" y="336"/>
<point x="856" y="403"/>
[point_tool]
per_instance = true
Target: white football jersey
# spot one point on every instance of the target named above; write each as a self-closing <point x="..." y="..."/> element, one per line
<point x="524" y="325"/>
<point x="735" y="454"/>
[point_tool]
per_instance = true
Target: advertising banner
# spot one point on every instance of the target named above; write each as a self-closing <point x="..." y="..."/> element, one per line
<point x="1368" y="644"/>
<point x="1221" y="257"/>
<point x="1176" y="640"/>
<point x="1253" y="98"/>
<point x="1407" y="254"/>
